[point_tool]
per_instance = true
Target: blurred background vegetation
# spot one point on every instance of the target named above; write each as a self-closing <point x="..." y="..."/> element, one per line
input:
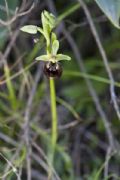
<point x="88" y="126"/>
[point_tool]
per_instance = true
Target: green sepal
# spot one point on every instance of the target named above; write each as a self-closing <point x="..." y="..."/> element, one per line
<point x="60" y="57"/>
<point x="42" y="58"/>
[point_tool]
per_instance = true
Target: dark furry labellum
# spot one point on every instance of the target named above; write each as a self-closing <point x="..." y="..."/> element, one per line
<point x="53" y="69"/>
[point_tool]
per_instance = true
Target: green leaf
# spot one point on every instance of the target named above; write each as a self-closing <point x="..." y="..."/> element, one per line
<point x="46" y="28"/>
<point x="43" y="58"/>
<point x="60" y="57"/>
<point x="112" y="10"/>
<point x="31" y="29"/>
<point x="51" y="20"/>
<point x="55" y="47"/>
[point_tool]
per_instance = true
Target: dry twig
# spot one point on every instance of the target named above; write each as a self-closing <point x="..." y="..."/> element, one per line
<point x="17" y="15"/>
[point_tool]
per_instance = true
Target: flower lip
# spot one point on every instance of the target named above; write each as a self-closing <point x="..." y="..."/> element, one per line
<point x="53" y="69"/>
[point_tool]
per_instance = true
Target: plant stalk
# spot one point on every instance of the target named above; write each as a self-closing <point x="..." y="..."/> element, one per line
<point x="54" y="114"/>
<point x="53" y="128"/>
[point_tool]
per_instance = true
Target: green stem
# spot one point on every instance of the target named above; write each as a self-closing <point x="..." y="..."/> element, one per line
<point x="54" y="114"/>
<point x="54" y="126"/>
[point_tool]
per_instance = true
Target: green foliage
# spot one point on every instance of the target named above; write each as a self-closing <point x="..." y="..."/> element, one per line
<point x="112" y="10"/>
<point x="31" y="29"/>
<point x="48" y="23"/>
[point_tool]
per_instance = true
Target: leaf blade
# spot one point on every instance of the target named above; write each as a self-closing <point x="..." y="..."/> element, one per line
<point x="31" y="29"/>
<point x="111" y="10"/>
